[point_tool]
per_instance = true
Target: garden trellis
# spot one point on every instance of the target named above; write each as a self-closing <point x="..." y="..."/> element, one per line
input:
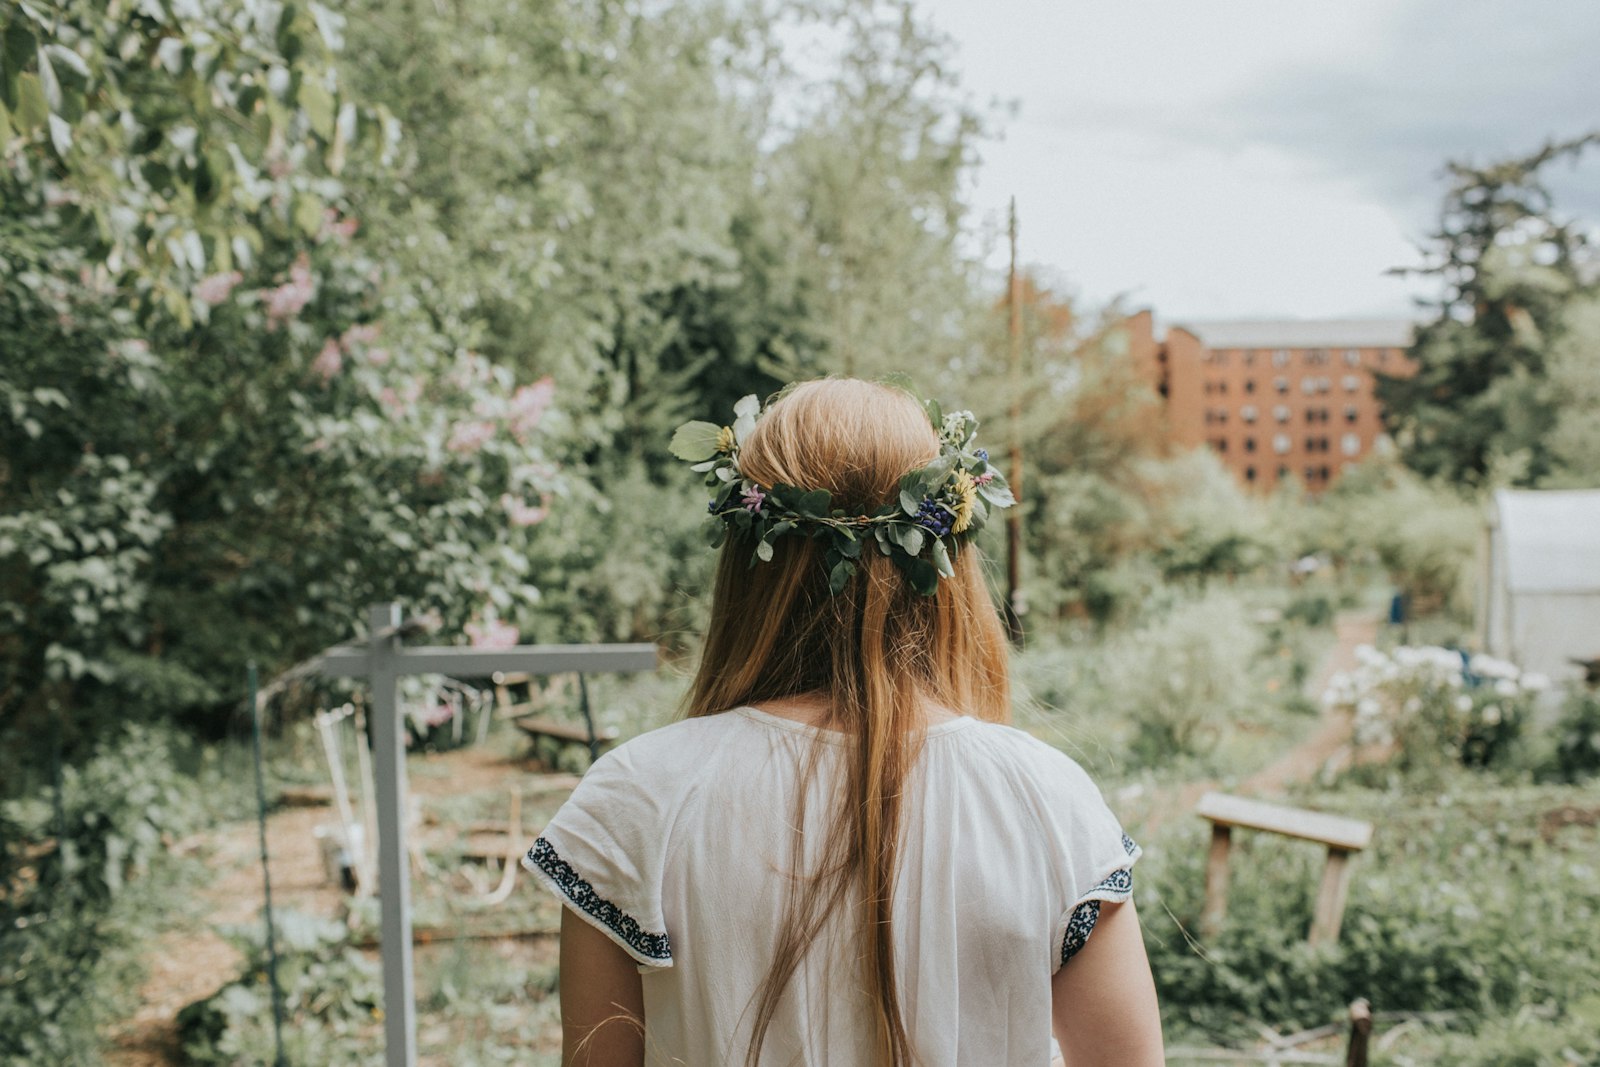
<point x="383" y="662"/>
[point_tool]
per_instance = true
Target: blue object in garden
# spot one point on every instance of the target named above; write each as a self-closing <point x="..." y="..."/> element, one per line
<point x="1397" y="609"/>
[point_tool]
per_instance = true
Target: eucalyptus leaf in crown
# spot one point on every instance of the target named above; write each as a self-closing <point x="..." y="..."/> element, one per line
<point x="938" y="508"/>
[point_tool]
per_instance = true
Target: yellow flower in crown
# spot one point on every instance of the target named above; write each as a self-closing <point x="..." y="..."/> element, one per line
<point x="965" y="489"/>
<point x="725" y="439"/>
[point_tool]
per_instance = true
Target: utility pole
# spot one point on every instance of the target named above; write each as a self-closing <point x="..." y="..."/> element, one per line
<point x="1014" y="603"/>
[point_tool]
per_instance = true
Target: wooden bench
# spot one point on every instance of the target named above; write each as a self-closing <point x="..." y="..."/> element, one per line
<point x="1341" y="836"/>
<point x="524" y="715"/>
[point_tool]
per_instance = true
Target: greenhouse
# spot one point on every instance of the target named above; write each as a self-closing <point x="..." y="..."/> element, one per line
<point x="1539" y="593"/>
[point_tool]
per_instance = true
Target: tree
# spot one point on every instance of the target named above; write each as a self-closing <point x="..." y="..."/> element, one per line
<point x="221" y="437"/>
<point x="1479" y="406"/>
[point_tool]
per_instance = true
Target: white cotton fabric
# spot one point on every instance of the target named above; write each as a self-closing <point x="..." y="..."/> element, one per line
<point x="685" y="832"/>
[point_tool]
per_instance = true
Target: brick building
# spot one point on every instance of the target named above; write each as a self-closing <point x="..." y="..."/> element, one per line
<point x="1271" y="398"/>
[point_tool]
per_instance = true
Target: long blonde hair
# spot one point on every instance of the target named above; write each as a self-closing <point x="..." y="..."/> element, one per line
<point x="878" y="650"/>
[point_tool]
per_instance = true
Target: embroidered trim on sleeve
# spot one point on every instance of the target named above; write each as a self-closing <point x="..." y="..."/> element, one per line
<point x="583" y="896"/>
<point x="1116" y="886"/>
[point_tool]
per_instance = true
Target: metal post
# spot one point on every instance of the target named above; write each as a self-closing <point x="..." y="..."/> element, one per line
<point x="1014" y="602"/>
<point x="399" y="1004"/>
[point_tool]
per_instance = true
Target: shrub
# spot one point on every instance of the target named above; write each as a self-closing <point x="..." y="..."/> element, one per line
<point x="1435" y="705"/>
<point x="1578" y="737"/>
<point x="332" y="1000"/>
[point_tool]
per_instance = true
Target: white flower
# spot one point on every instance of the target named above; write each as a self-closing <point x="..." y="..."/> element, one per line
<point x="1505" y="687"/>
<point x="1463" y="703"/>
<point x="1491" y="714"/>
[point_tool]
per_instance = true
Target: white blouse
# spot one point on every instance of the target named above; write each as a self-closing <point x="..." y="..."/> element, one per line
<point x="676" y="846"/>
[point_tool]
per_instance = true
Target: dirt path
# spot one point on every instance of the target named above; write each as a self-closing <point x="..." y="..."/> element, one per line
<point x="1302" y="762"/>
<point x="1309" y="757"/>
<point x="193" y="960"/>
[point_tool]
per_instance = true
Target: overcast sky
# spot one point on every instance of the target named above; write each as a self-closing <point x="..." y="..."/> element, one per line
<point x="1260" y="158"/>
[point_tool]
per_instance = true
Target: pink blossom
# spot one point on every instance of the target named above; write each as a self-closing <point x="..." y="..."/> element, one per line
<point x="329" y="361"/>
<point x="752" y="499"/>
<point x="411" y="390"/>
<point x="287" y="300"/>
<point x="391" y="400"/>
<point x="363" y="334"/>
<point x="468" y="437"/>
<point x="378" y="357"/>
<point x="523" y="513"/>
<point x="984" y="479"/>
<point x="492" y="634"/>
<point x="343" y="229"/>
<point x="528" y="405"/>
<point x="214" y="289"/>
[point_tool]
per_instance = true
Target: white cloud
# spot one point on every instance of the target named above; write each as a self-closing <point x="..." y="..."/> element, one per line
<point x="1252" y="157"/>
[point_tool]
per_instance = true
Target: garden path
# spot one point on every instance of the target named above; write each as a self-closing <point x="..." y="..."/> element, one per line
<point x="192" y="960"/>
<point x="1326" y="746"/>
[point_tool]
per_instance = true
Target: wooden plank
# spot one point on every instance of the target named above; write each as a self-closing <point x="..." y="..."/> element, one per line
<point x="1216" y="904"/>
<point x="1331" y="897"/>
<point x="1334" y="830"/>
<point x="564" y="731"/>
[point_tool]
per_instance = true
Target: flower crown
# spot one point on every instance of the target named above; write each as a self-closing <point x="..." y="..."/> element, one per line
<point x="938" y="508"/>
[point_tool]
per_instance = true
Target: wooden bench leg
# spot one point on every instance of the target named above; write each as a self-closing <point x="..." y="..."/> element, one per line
<point x="1331" y="897"/>
<point x="1216" y="905"/>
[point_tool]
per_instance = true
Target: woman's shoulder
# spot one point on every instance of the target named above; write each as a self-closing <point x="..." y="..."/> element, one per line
<point x="1032" y="763"/>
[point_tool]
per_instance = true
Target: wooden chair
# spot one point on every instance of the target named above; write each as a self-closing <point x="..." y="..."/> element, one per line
<point x="1341" y="836"/>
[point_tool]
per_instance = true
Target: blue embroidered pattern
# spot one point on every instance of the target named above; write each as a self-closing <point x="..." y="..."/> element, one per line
<point x="583" y="896"/>
<point x="1117" y="885"/>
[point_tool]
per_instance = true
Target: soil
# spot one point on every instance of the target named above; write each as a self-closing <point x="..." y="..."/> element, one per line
<point x="193" y="960"/>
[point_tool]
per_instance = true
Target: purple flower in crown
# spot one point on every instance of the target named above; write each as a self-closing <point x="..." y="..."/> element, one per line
<point x="983" y="454"/>
<point x="752" y="499"/>
<point x="934" y="517"/>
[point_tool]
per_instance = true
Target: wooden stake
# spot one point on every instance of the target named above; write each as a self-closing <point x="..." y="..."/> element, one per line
<point x="1216" y="904"/>
<point x="1330" y="898"/>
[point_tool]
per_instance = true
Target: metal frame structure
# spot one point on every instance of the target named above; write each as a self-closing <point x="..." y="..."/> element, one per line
<point x="384" y="661"/>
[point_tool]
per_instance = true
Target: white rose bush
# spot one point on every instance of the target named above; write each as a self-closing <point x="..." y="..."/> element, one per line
<point x="1436" y="706"/>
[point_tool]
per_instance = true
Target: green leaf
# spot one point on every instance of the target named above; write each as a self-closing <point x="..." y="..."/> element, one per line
<point x="814" y="505"/>
<point x="764" y="551"/>
<point x="32" y="110"/>
<point x="846" y="545"/>
<point x="716" y="531"/>
<point x="695" y="441"/>
<point x="910" y="538"/>
<point x="909" y="503"/>
<point x="840" y="576"/>
<point x="924" y="577"/>
<point x="317" y="103"/>
<point x="997" y="493"/>
<point x="941" y="559"/>
<point x="935" y="415"/>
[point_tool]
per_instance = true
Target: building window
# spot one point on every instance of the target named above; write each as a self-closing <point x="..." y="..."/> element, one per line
<point x="1316" y="357"/>
<point x="1248" y="413"/>
<point x="1281" y="413"/>
<point x="1311" y="474"/>
<point x="1249" y="357"/>
<point x="1222" y="444"/>
<point x="1323" y="473"/>
<point x="1383" y="356"/>
<point x="1280" y="358"/>
<point x="1283" y="472"/>
<point x="1222" y="358"/>
<point x="1350" y="443"/>
<point x="1281" y="384"/>
<point x="1249" y="474"/>
<point x="1250" y="386"/>
<point x="1249" y="444"/>
<point x="1351" y="383"/>
<point x="1352" y="357"/>
<point x="1351" y="413"/>
<point x="1222" y="387"/>
<point x="1280" y="444"/>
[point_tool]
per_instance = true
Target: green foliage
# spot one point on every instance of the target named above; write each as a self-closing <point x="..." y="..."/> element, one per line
<point x="1480" y="407"/>
<point x="332" y="1000"/>
<point x="1465" y="903"/>
<point x="1577" y="750"/>
<point x="85" y="879"/>
<point x="223" y="434"/>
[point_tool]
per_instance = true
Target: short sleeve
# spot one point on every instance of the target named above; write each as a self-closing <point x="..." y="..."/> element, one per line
<point x="1093" y="857"/>
<point x="603" y="854"/>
